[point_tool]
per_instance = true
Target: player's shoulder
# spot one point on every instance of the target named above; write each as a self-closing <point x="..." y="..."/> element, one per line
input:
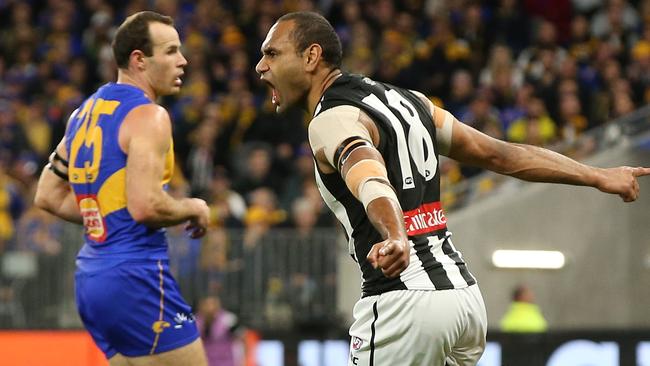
<point x="150" y="120"/>
<point x="335" y="117"/>
<point x="148" y="113"/>
<point x="419" y="95"/>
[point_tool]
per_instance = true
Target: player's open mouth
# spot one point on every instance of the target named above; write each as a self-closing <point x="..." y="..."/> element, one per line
<point x="275" y="99"/>
<point x="275" y="96"/>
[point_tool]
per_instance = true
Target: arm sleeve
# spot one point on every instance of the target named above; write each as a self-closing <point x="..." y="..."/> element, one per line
<point x="334" y="126"/>
<point x="443" y="121"/>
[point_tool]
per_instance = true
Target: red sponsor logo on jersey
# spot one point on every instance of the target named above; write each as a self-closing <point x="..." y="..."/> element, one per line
<point x="425" y="219"/>
<point x="94" y="222"/>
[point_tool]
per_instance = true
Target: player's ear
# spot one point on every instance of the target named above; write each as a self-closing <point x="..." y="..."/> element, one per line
<point x="137" y="58"/>
<point x="312" y="55"/>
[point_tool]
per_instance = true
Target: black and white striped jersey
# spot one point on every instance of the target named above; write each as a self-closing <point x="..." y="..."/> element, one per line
<point x="408" y="146"/>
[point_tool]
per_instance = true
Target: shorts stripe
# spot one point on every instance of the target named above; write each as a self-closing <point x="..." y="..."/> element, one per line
<point x="162" y="307"/>
<point x="372" y="336"/>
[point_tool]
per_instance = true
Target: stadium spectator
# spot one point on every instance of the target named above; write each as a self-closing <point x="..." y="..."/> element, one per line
<point x="523" y="315"/>
<point x="200" y="161"/>
<point x="311" y="278"/>
<point x="256" y="171"/>
<point x="303" y="172"/>
<point x="462" y="91"/>
<point x="581" y="44"/>
<point x="536" y="128"/>
<point x="616" y="22"/>
<point x="221" y="333"/>
<point x="227" y="206"/>
<point x="638" y="71"/>
<point x="571" y="122"/>
<point x="39" y="233"/>
<point x="509" y="25"/>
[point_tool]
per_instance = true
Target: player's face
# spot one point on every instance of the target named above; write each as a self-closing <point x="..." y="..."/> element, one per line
<point x="282" y="67"/>
<point x="165" y="66"/>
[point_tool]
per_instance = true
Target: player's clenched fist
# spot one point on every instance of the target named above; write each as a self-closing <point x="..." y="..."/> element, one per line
<point x="391" y="255"/>
<point x="198" y="225"/>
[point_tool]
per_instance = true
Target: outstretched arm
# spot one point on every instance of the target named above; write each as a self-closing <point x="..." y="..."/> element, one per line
<point x="531" y="163"/>
<point x="537" y="164"/>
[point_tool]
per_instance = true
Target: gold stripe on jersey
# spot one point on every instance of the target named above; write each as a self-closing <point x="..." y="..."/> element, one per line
<point x="112" y="194"/>
<point x="160" y="325"/>
<point x="169" y="164"/>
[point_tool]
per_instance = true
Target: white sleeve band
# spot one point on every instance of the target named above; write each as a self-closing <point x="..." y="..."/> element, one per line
<point x="330" y="128"/>
<point x="370" y="190"/>
<point x="443" y="134"/>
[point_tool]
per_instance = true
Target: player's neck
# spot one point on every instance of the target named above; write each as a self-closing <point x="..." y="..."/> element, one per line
<point x="319" y="88"/>
<point x="127" y="77"/>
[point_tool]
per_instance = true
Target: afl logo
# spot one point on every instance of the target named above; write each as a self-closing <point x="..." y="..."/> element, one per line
<point x="356" y="343"/>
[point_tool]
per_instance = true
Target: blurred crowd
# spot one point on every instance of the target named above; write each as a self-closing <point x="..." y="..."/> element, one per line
<point x="531" y="71"/>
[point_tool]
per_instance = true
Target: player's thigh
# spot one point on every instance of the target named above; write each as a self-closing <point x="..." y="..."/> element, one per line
<point x="192" y="354"/>
<point x="404" y="328"/>
<point x="469" y="348"/>
<point x="118" y="360"/>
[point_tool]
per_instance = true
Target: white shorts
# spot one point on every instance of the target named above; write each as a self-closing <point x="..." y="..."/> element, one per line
<point x="419" y="328"/>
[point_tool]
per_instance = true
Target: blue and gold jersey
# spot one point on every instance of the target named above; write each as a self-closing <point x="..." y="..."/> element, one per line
<point x="97" y="174"/>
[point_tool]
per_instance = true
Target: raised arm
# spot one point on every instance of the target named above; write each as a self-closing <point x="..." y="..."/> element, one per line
<point x="53" y="192"/>
<point x="145" y="136"/>
<point x="342" y="140"/>
<point x="531" y="163"/>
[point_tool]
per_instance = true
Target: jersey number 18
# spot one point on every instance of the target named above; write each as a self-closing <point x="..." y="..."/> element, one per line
<point x="419" y="146"/>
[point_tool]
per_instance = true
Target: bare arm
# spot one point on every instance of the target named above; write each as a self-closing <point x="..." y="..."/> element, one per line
<point x="537" y="164"/>
<point x="53" y="193"/>
<point x="531" y="163"/>
<point x="145" y="136"/>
